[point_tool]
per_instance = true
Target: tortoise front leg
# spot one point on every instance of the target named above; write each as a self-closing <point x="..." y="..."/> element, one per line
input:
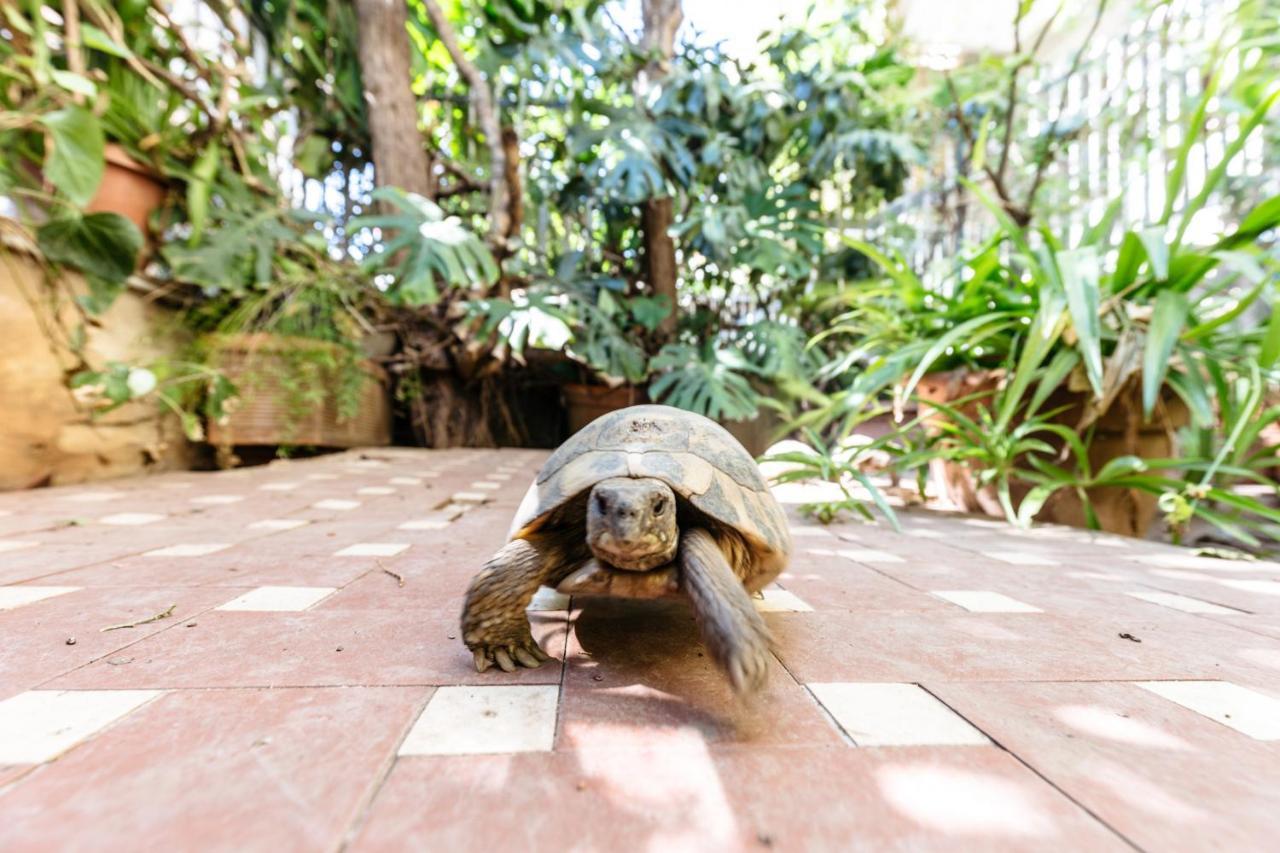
<point x="731" y="628"/>
<point x="494" y="623"/>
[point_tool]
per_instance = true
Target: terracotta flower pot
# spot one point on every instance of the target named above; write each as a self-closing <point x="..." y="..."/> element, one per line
<point x="585" y="403"/>
<point x="1118" y="432"/>
<point x="128" y="188"/>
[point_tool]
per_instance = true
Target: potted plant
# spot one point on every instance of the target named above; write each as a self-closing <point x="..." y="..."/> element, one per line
<point x="286" y="325"/>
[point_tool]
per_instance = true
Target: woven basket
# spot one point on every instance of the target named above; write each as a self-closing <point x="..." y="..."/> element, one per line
<point x="259" y="365"/>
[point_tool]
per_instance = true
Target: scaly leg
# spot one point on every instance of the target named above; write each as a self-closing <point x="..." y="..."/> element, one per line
<point x="731" y="628"/>
<point x="494" y="623"/>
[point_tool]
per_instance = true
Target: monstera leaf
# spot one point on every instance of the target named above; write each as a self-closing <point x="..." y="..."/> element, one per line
<point x="424" y="250"/>
<point x="708" y="381"/>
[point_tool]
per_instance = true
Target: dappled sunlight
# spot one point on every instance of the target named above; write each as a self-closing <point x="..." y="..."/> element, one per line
<point x="665" y="775"/>
<point x="964" y="802"/>
<point x="1112" y="725"/>
<point x="1142" y="794"/>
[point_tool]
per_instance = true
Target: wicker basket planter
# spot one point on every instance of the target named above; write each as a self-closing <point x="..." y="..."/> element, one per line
<point x="263" y="368"/>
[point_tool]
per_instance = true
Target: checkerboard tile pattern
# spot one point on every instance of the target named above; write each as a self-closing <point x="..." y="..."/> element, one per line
<point x="955" y="685"/>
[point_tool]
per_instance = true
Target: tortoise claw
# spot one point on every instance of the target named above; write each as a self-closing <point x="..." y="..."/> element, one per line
<point x="482" y="660"/>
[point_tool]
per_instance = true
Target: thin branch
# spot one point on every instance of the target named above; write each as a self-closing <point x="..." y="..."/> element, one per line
<point x="1042" y="162"/>
<point x="71" y="27"/>
<point x="997" y="181"/>
<point x="486" y="116"/>
<point x="1014" y="74"/>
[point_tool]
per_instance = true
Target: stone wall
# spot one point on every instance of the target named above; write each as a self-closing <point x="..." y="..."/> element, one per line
<point x="46" y="436"/>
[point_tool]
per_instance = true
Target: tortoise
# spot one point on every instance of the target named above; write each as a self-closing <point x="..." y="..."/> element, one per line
<point x="645" y="502"/>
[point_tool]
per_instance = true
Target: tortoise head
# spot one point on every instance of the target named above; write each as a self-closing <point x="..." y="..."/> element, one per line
<point x="631" y="523"/>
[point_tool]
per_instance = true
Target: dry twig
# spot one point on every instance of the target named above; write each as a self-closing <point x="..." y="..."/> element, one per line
<point x="156" y="618"/>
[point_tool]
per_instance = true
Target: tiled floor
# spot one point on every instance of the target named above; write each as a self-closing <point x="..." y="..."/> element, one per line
<point x="269" y="659"/>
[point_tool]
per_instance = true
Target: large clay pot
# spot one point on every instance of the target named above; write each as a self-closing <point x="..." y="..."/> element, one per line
<point x="585" y="403"/>
<point x="128" y="188"/>
<point x="755" y="433"/>
<point x="1118" y="432"/>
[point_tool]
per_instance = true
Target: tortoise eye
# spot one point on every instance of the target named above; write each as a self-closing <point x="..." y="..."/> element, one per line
<point x="659" y="505"/>
<point x="601" y="503"/>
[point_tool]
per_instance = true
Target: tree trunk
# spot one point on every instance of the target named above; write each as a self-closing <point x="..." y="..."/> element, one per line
<point x="487" y="117"/>
<point x="399" y="156"/>
<point x="662" y="19"/>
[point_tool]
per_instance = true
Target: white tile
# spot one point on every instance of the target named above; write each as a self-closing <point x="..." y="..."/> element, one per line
<point x="335" y="503"/>
<point x="1094" y="576"/>
<point x="16" y="596"/>
<point x="780" y="601"/>
<point x="1248" y="712"/>
<point x="279" y="487"/>
<point x="1020" y="558"/>
<point x="425" y="524"/>
<point x="499" y="477"/>
<point x="470" y="497"/>
<point x="375" y="490"/>
<point x="869" y="555"/>
<point x="494" y="719"/>
<point x="7" y="545"/>
<point x="548" y="599"/>
<point x="278" y="524"/>
<point x="94" y="497"/>
<point x="322" y="476"/>
<point x="40" y="725"/>
<point x="894" y="715"/>
<point x="1260" y="587"/>
<point x="131" y="518"/>
<point x="1181" y="602"/>
<point x="279" y="598"/>
<point x="189" y="549"/>
<point x="488" y="485"/>
<point x="983" y="601"/>
<point x="373" y="549"/>
<point x="1182" y="575"/>
<point x="405" y="481"/>
<point x="217" y="500"/>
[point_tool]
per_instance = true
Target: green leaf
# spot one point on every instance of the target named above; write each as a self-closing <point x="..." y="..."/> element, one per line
<point x="1034" y="501"/>
<point x="74" y="159"/>
<point x="1167" y="319"/>
<point x="1270" y="350"/>
<point x="199" y="188"/>
<point x="76" y="84"/>
<point x="94" y="38"/>
<point x="650" y="311"/>
<point x="1157" y="250"/>
<point x="1080" y="280"/>
<point x="103" y="244"/>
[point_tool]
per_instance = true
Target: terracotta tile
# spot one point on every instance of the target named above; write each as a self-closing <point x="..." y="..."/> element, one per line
<point x="882" y="646"/>
<point x="675" y="793"/>
<point x="1146" y="766"/>
<point x="313" y="648"/>
<point x="220" y="769"/>
<point x="35" y="647"/>
<point x="637" y="666"/>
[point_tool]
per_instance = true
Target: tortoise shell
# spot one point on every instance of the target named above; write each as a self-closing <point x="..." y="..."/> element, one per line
<point x="692" y="454"/>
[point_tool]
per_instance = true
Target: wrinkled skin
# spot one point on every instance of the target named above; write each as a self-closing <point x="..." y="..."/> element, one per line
<point x="639" y="551"/>
<point x="631" y="524"/>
